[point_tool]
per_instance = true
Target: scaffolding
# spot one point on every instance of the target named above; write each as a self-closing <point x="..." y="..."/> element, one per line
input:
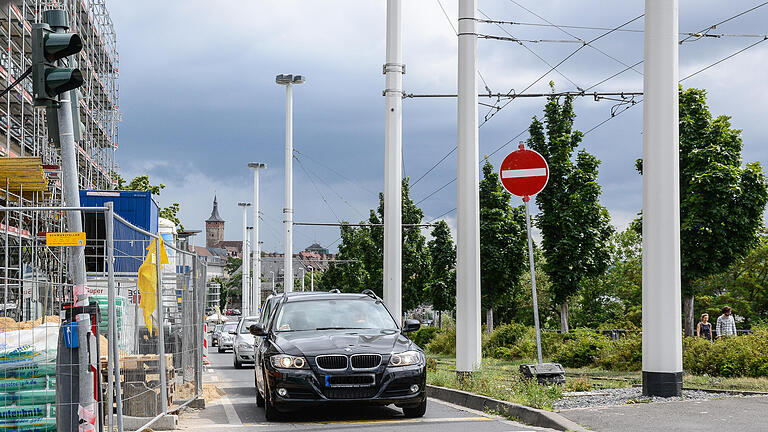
<point x="23" y="134"/>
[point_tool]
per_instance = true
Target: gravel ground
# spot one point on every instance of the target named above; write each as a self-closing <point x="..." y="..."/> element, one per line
<point x="624" y="396"/>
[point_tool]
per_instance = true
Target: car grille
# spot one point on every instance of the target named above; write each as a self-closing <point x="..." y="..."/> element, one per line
<point x="332" y="362"/>
<point x="350" y="392"/>
<point x="366" y="361"/>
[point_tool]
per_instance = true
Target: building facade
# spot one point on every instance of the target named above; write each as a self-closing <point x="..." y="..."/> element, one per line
<point x="214" y="227"/>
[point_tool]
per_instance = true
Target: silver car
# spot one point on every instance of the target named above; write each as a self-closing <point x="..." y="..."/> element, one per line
<point x="227" y="339"/>
<point x="244" y="341"/>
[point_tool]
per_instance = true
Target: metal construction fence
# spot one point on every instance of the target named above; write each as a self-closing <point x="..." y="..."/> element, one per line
<point x="145" y="340"/>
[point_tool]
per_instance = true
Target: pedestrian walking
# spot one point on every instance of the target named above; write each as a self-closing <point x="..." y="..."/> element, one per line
<point x="704" y="329"/>
<point x="726" y="326"/>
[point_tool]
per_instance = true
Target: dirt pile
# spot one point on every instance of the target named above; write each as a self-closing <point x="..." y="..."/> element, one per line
<point x="8" y="324"/>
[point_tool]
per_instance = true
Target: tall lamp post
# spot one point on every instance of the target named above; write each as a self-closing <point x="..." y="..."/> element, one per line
<point x="288" y="81"/>
<point x="256" y="262"/>
<point x="273" y="281"/>
<point x="244" y="266"/>
<point x="302" y="279"/>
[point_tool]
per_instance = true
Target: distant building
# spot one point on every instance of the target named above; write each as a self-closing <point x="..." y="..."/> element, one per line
<point x="214" y="227"/>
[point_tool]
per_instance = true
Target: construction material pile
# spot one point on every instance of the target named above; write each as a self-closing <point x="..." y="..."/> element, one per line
<point x="28" y="374"/>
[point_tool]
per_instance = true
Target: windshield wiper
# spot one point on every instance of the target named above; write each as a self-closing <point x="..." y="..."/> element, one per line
<point x="340" y="328"/>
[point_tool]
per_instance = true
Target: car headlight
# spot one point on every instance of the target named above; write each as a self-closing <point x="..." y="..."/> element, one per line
<point x="405" y="358"/>
<point x="245" y="346"/>
<point x="285" y="361"/>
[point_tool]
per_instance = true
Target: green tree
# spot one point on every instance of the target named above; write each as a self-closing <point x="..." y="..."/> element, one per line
<point x="721" y="203"/>
<point x="503" y="244"/>
<point x="574" y="226"/>
<point x="441" y="291"/>
<point x="142" y="183"/>
<point x="232" y="288"/>
<point x="415" y="271"/>
<point x="349" y="274"/>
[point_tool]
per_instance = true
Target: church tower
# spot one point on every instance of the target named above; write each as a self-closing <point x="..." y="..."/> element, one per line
<point x="214" y="227"/>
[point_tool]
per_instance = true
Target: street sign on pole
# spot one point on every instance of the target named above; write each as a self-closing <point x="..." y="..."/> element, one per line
<point x="525" y="173"/>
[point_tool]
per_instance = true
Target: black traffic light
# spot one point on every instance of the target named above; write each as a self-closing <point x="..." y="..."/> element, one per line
<point x="49" y="80"/>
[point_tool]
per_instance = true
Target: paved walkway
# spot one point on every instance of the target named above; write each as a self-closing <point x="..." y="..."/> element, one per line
<point x="741" y="414"/>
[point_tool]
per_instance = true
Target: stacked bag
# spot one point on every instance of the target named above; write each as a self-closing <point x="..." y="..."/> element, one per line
<point x="28" y="379"/>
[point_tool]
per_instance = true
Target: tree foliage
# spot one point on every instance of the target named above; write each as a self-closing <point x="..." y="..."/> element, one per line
<point x="362" y="254"/>
<point x="574" y="226"/>
<point x="721" y="203"/>
<point x="503" y="242"/>
<point x="441" y="291"/>
<point x="142" y="183"/>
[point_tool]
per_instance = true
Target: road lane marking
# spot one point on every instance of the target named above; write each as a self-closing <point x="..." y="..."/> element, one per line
<point x="229" y="410"/>
<point x="397" y="421"/>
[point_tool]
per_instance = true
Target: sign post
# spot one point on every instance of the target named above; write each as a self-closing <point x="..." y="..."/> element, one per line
<point x="525" y="173"/>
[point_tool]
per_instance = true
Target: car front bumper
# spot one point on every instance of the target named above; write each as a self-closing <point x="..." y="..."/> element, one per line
<point x="245" y="356"/>
<point x="307" y="388"/>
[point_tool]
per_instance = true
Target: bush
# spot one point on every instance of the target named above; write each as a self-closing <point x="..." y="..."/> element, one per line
<point x="424" y="336"/>
<point x="743" y="356"/>
<point x="444" y="342"/>
<point x="624" y="354"/>
<point x="581" y="348"/>
<point x="516" y="341"/>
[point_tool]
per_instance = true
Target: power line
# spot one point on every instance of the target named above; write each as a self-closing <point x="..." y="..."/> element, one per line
<point x="436" y="191"/>
<point x="434" y="166"/>
<point x="322" y="196"/>
<point x="713" y="26"/>
<point x="487" y="118"/>
<point x="356" y="183"/>
<point x="449" y="211"/>
<point x="439" y="3"/>
<point x="724" y="59"/>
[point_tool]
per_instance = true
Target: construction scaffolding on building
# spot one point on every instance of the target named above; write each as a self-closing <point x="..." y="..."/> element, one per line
<point x="30" y="162"/>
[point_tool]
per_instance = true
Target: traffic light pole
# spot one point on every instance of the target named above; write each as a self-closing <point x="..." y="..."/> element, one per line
<point x="468" y="354"/>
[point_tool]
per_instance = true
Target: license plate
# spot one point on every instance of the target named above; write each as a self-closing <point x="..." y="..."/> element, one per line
<point x="350" y="380"/>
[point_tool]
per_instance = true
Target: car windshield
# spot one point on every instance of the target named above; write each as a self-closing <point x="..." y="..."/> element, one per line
<point x="230" y="327"/>
<point x="245" y="328"/>
<point x="219" y="327"/>
<point x="334" y="314"/>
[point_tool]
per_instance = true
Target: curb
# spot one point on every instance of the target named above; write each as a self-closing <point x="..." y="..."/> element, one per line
<point x="167" y="422"/>
<point x="528" y="415"/>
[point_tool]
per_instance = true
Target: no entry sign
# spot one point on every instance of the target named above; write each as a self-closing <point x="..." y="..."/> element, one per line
<point x="524" y="172"/>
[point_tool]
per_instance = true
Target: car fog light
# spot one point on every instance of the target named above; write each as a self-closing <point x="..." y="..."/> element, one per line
<point x="414" y="388"/>
<point x="283" y="392"/>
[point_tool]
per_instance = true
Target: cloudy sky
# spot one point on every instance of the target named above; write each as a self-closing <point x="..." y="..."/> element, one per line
<point x="199" y="101"/>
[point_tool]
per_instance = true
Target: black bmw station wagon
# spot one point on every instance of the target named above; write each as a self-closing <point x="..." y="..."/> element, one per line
<point x="336" y="349"/>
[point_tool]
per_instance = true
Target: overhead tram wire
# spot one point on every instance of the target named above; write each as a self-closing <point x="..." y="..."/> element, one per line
<point x="322" y="196"/>
<point x="560" y="63"/>
<point x="334" y="171"/>
<point x="444" y="214"/>
<point x="614" y="115"/>
<point x="713" y="26"/>
<point x="572" y="35"/>
<point x="320" y="179"/>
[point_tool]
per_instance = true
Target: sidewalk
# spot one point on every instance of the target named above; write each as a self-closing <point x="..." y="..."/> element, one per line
<point x="742" y="414"/>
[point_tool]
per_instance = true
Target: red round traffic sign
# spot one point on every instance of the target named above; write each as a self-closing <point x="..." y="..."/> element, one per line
<point x="524" y="172"/>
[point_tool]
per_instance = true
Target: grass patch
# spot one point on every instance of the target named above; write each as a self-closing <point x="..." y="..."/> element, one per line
<point x="718" y="383"/>
<point x="496" y="379"/>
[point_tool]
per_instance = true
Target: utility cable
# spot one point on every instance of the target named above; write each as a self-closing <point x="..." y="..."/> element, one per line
<point x="308" y="171"/>
<point x="558" y="64"/>
<point x="713" y="26"/>
<point x="322" y="196"/>
<point x="334" y="171"/>
<point x="449" y="211"/>
<point x="724" y="59"/>
<point x="16" y="82"/>
<point x="440" y="3"/>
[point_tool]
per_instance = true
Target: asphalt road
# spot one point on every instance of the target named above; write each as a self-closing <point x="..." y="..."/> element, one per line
<point x="237" y="410"/>
<point x="742" y="414"/>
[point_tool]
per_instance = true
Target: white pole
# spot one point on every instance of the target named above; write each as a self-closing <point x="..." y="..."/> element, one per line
<point x="468" y="354"/>
<point x="393" y="147"/>
<point x="273" y="282"/>
<point x="244" y="265"/>
<point x="302" y="279"/>
<point x="256" y="264"/>
<point x="662" y="328"/>
<point x="311" y="278"/>
<point x="288" y="210"/>
<point x="533" y="278"/>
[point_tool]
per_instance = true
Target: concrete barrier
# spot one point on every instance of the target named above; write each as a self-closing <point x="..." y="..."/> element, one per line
<point x="528" y="415"/>
<point x="167" y="422"/>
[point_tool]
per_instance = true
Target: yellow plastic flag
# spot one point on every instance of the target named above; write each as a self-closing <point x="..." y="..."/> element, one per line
<point x="148" y="282"/>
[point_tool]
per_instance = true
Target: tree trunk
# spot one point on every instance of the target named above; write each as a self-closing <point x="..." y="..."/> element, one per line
<point x="564" y="317"/>
<point x="689" y="320"/>
<point x="489" y="320"/>
<point x="440" y="320"/>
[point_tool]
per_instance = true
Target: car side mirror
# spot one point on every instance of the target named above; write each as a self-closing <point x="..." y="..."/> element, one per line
<point x="411" y="325"/>
<point x="258" y="329"/>
<point x="231" y="332"/>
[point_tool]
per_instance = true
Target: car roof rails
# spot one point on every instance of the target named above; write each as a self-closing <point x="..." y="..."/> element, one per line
<point x="335" y="290"/>
<point x="370" y="294"/>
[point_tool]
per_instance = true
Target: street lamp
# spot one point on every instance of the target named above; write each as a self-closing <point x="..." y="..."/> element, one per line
<point x="311" y="278"/>
<point x="302" y="279"/>
<point x="244" y="267"/>
<point x="256" y="263"/>
<point x="288" y="81"/>
<point x="273" y="281"/>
